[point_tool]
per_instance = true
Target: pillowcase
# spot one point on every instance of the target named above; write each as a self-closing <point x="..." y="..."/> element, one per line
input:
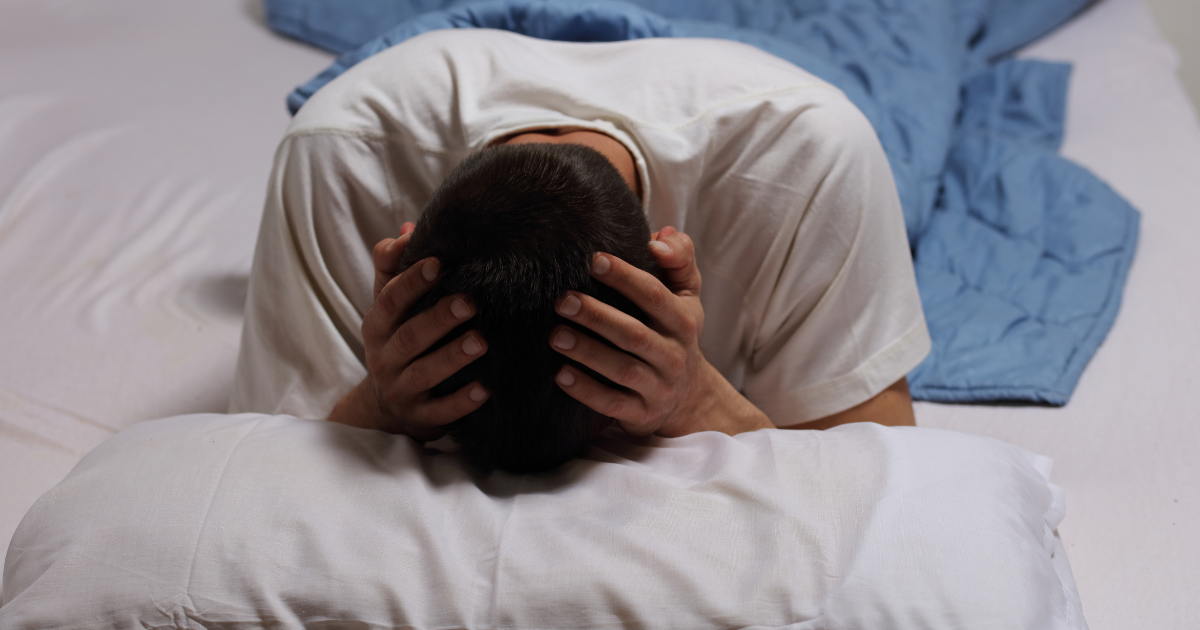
<point x="254" y="521"/>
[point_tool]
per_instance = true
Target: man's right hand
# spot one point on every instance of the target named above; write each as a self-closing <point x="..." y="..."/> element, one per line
<point x="394" y="397"/>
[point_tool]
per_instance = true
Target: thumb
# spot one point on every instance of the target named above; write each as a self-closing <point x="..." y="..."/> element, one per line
<point x="676" y="255"/>
<point x="386" y="257"/>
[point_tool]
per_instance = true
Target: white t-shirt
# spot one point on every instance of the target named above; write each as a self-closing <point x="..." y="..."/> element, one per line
<point x="810" y="302"/>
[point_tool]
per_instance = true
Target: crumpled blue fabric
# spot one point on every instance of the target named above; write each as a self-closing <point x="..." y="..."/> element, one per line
<point x="1021" y="256"/>
<point x="1024" y="259"/>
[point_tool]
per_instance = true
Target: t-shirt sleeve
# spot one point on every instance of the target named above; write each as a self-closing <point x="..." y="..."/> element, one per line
<point x="841" y="318"/>
<point x="310" y="284"/>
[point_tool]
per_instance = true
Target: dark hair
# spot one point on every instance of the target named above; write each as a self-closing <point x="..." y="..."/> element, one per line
<point x="515" y="227"/>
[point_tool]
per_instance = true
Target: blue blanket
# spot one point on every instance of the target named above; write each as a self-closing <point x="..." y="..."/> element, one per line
<point x="1020" y="255"/>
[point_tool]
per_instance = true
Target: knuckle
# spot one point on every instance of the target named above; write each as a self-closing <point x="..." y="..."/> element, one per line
<point x="589" y="315"/>
<point x="613" y="408"/>
<point x="686" y="242"/>
<point x="419" y="377"/>
<point x="639" y="340"/>
<point x="676" y="361"/>
<point x="389" y="300"/>
<point x="587" y="353"/>
<point x="688" y="328"/>
<point x="405" y="341"/>
<point x="385" y="302"/>
<point x="631" y="374"/>
<point x="658" y="297"/>
<point x="376" y="365"/>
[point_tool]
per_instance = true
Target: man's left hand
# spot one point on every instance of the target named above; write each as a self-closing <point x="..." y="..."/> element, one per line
<point x="674" y="390"/>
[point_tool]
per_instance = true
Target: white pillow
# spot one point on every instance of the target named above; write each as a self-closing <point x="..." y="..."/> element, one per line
<point x="253" y="521"/>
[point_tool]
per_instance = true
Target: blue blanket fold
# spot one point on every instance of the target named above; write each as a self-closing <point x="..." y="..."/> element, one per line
<point x="1022" y="265"/>
<point x="1020" y="255"/>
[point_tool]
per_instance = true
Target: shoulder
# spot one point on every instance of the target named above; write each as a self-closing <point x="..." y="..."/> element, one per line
<point x="813" y="116"/>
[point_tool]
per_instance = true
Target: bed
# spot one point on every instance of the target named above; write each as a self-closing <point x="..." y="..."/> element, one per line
<point x="135" y="142"/>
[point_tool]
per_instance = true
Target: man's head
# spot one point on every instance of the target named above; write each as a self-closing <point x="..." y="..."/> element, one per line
<point x="514" y="227"/>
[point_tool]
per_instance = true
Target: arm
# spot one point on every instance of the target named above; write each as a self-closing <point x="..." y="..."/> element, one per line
<point x="675" y="390"/>
<point x="892" y="407"/>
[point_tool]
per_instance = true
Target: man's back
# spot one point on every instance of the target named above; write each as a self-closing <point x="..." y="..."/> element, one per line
<point x="777" y="178"/>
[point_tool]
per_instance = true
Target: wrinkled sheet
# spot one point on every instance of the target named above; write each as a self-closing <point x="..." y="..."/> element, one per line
<point x="1021" y="256"/>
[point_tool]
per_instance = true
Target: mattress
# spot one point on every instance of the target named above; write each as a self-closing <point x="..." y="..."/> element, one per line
<point x="135" y="142"/>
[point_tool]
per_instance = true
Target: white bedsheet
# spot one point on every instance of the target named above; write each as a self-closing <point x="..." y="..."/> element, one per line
<point x="1125" y="448"/>
<point x="135" y="141"/>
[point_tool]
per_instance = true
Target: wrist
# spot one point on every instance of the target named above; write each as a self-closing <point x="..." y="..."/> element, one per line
<point x="738" y="414"/>
<point x="360" y="408"/>
<point x="724" y="409"/>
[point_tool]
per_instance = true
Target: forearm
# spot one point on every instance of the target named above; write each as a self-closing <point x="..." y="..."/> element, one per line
<point x="892" y="407"/>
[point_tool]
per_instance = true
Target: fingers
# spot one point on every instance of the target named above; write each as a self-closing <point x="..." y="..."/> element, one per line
<point x="387" y="252"/>
<point x="617" y="366"/>
<point x="425" y="328"/>
<point x="404" y="380"/>
<point x="396" y="297"/>
<point x="618" y="327"/>
<point x="427" y="417"/>
<point x="628" y="410"/>
<point x="447" y="409"/>
<point x="676" y="255"/>
<point x="427" y="372"/>
<point x="386" y="257"/>
<point x="642" y="289"/>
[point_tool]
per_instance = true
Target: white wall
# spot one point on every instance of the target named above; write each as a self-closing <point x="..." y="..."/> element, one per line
<point x="1179" y="21"/>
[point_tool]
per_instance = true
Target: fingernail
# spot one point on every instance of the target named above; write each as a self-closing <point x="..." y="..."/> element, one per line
<point x="564" y="340"/>
<point x="570" y="306"/>
<point x="565" y="378"/>
<point x="397" y="242"/>
<point x="660" y="247"/>
<point x="429" y="270"/>
<point x="471" y="346"/>
<point x="460" y="309"/>
<point x="600" y="265"/>
<point x="478" y="394"/>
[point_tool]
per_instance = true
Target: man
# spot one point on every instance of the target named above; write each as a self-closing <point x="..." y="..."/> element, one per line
<point x="809" y="305"/>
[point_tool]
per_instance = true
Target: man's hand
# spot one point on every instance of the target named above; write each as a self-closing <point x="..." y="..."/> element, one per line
<point x="394" y="397"/>
<point x="675" y="390"/>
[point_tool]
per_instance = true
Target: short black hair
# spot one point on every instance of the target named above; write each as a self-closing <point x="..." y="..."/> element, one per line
<point x="514" y="227"/>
